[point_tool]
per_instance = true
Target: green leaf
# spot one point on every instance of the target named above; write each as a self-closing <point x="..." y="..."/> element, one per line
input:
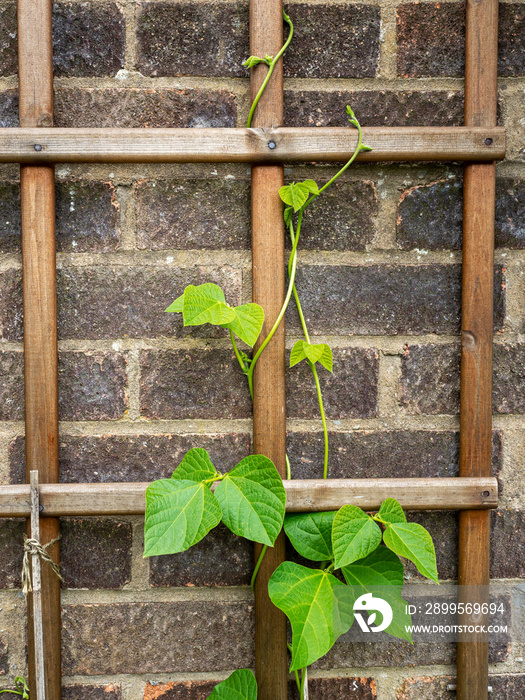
<point x="391" y="511"/>
<point x="206" y="304"/>
<point x="196" y="465"/>
<point x="311" y="534"/>
<point x="317" y="352"/>
<point x="380" y="568"/>
<point x="253" y="61"/>
<point x="296" y="193"/>
<point x="253" y="499"/>
<point x="241" y="685"/>
<point x="297" y="353"/>
<point x="247" y="323"/>
<point x="381" y="573"/>
<point x="179" y="513"/>
<point x="364" y="147"/>
<point x="287" y="214"/>
<point x="177" y="305"/>
<point x="354" y="535"/>
<point x="413" y="542"/>
<point x="306" y="596"/>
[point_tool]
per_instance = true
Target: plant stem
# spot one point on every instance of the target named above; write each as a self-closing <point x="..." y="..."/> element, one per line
<point x="304" y="681"/>
<point x="258" y="566"/>
<point x="270" y="70"/>
<point x="239" y="359"/>
<point x="277" y="323"/>
<point x="323" y="417"/>
<point x="288" y="468"/>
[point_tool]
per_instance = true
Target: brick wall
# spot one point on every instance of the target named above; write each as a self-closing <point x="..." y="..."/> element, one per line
<point x="386" y="270"/>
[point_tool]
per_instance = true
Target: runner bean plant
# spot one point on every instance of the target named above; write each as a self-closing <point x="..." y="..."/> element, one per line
<point x="350" y="552"/>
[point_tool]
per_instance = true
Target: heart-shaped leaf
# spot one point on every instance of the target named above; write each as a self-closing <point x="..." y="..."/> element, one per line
<point x="196" y="465"/>
<point x="306" y="596"/>
<point x="354" y="535"/>
<point x="241" y="685"/>
<point x="296" y="193"/>
<point x="316" y="352"/>
<point x="253" y="499"/>
<point x="179" y="513"/>
<point x="380" y="568"/>
<point x="248" y="322"/>
<point x="287" y="214"/>
<point x="412" y="541"/>
<point x="205" y="304"/>
<point x="391" y="511"/>
<point x="311" y="534"/>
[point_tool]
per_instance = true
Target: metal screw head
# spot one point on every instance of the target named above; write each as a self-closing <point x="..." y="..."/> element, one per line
<point x="38" y="147"/>
<point x="272" y="145"/>
<point x="488" y="142"/>
<point x="485" y="494"/>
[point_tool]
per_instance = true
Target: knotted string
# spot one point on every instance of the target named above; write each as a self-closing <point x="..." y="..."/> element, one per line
<point x="32" y="546"/>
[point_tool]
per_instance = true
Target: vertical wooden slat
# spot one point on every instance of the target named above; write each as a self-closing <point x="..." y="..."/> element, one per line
<point x="35" y="56"/>
<point x="268" y="264"/>
<point x="477" y="333"/>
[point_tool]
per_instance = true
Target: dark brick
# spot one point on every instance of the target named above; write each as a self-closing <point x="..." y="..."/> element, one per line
<point x="508" y="394"/>
<point x="431" y="39"/>
<point x="211" y="213"/>
<point x="131" y="457"/>
<point x="8" y="42"/>
<point x="510" y="213"/>
<point x="430" y="379"/>
<point x="92" y="386"/>
<point x="368" y="454"/>
<point x="337" y="688"/>
<point x="86" y="217"/>
<point x="104" y="302"/>
<point x="507" y="687"/>
<point x="11" y="311"/>
<point x="4" y="659"/>
<point x="373" y="108"/>
<point x="344" y="218"/>
<point x="384" y="299"/>
<point x="11" y="386"/>
<point x="11" y="541"/>
<point x="508" y="544"/>
<point x="137" y="107"/>
<point x="179" y="690"/>
<point x="511" y="687"/>
<point x="220" y="559"/>
<point x="156" y="637"/>
<point x="511" y="53"/>
<point x="353" y="367"/>
<point x="431" y="216"/>
<point x="91" y="692"/>
<point x="333" y="41"/>
<point x="425" y="688"/>
<point x="9" y="108"/>
<point x="10" y="223"/>
<point x="88" y="39"/>
<point x="177" y="384"/>
<point x="171" y="37"/>
<point x="95" y="553"/>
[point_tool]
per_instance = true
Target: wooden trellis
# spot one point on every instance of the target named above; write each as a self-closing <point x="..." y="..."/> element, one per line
<point x="36" y="146"/>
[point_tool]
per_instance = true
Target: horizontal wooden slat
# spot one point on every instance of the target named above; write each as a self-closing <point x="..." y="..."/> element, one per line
<point x="302" y="495"/>
<point x="249" y="145"/>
